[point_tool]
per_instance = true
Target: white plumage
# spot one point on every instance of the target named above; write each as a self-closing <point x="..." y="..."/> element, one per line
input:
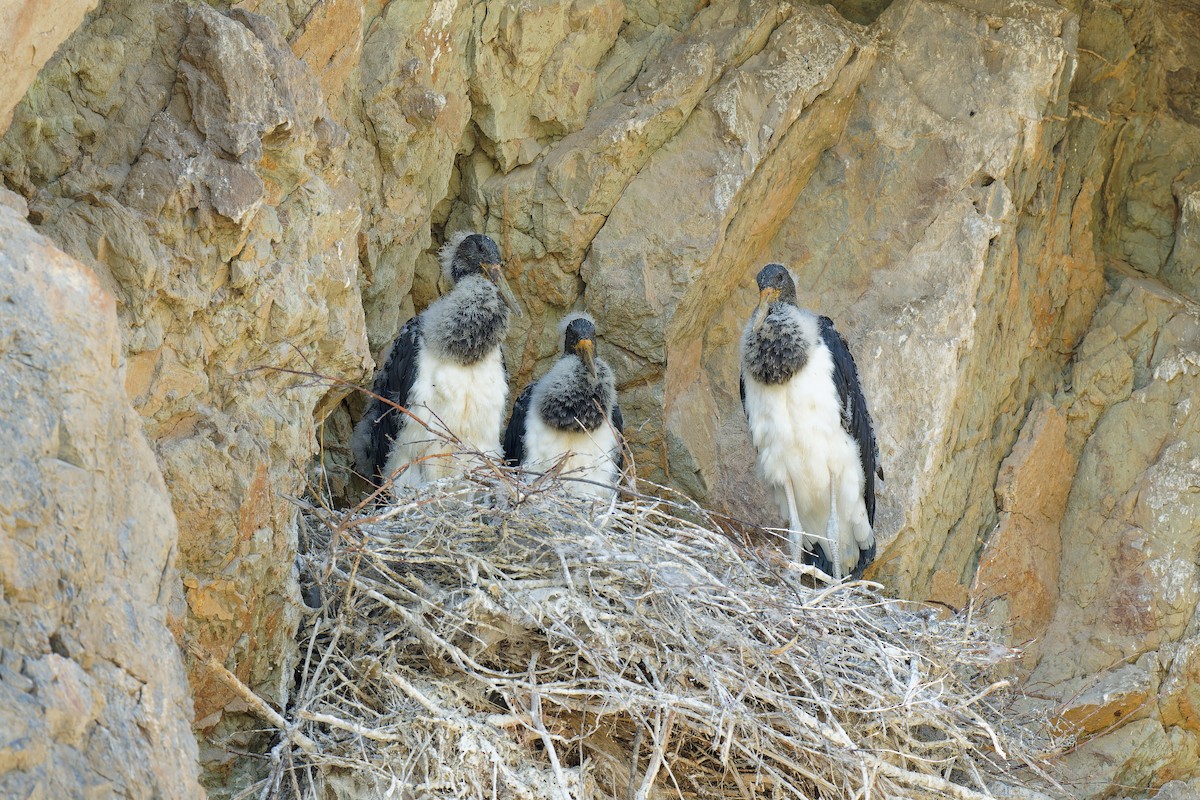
<point x="446" y="369"/>
<point x="811" y="453"/>
<point x="591" y="455"/>
<point x="569" y="419"/>
<point x="446" y="395"/>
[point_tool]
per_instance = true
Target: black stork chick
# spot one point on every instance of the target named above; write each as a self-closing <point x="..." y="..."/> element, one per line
<point x="809" y="422"/>
<point x="571" y="414"/>
<point x="446" y="367"/>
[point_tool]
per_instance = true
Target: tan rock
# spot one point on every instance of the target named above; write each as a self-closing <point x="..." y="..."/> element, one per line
<point x="1098" y="704"/>
<point x="1182" y="269"/>
<point x="1129" y="581"/>
<point x="215" y="206"/>
<point x="546" y="215"/>
<point x="660" y="269"/>
<point x="534" y="72"/>
<point x="1133" y="755"/>
<point x="907" y="236"/>
<point x="93" y="696"/>
<point x="30" y="32"/>
<point x="330" y="41"/>
<point x="415" y="113"/>
<point x="1155" y="171"/>
<point x="1178" y="790"/>
<point x="1180" y="694"/>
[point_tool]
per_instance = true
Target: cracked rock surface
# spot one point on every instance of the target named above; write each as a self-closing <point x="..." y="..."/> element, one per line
<point x="93" y="699"/>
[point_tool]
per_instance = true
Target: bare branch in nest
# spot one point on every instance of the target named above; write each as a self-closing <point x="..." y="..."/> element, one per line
<point x="483" y="640"/>
<point x="256" y="703"/>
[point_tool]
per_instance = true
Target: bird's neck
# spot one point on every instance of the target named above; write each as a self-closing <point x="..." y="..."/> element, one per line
<point x="574" y="399"/>
<point x="779" y="348"/>
<point x="470" y="321"/>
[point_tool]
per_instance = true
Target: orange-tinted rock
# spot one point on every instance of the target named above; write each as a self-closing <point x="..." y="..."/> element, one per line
<point x="1016" y="582"/>
<point x="1107" y="701"/>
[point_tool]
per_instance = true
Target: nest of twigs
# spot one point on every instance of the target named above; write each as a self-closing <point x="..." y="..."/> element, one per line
<point x="489" y="639"/>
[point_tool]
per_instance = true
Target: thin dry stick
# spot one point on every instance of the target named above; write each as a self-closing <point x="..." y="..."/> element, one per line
<point x="256" y="703"/>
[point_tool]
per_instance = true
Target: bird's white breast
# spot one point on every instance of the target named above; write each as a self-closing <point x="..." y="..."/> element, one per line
<point x="592" y="454"/>
<point x="466" y="401"/>
<point x="797" y="425"/>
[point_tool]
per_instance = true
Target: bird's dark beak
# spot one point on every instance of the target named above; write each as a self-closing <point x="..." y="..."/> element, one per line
<point x="586" y="350"/>
<point x="497" y="277"/>
<point x="765" y="298"/>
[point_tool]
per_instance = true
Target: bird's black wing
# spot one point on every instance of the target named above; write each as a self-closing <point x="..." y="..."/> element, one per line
<point x="856" y="419"/>
<point x="618" y="422"/>
<point x="514" y="435"/>
<point x="394" y="382"/>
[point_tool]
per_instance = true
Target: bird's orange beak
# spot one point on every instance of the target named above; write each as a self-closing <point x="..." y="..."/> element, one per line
<point x="506" y="292"/>
<point x="586" y="350"/>
<point x="765" y="298"/>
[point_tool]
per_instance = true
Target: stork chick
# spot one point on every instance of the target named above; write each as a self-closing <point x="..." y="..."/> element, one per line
<point x="571" y="415"/>
<point x="809" y="422"/>
<point x="446" y="368"/>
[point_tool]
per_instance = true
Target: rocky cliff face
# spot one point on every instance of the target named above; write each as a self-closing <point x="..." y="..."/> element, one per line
<point x="998" y="201"/>
<point x="188" y="157"/>
<point x="92" y="694"/>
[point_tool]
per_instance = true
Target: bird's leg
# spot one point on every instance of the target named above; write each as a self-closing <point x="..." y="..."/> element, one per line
<point x="832" y="532"/>
<point x="795" y="531"/>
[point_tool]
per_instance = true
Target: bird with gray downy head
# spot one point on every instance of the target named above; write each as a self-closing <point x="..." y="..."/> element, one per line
<point x="447" y="369"/>
<point x="570" y="415"/>
<point x="810" y="425"/>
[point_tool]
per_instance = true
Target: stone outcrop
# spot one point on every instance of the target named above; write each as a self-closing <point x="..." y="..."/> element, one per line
<point x="998" y="201"/>
<point x="93" y="698"/>
<point x="1112" y="640"/>
<point x="198" y="172"/>
<point x="1092" y="563"/>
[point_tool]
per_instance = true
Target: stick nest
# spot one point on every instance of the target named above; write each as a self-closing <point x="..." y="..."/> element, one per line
<point x="487" y="639"/>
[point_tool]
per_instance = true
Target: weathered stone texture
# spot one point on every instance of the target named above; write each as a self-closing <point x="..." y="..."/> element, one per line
<point x="213" y="203"/>
<point x="30" y="32"/>
<point x="1110" y="640"/>
<point x="940" y="250"/>
<point x="688" y="228"/>
<point x="1128" y="585"/>
<point x="1017" y="578"/>
<point x="93" y="697"/>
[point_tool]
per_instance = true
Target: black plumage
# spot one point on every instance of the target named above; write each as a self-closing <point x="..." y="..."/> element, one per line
<point x="856" y="419"/>
<point x="514" y="435"/>
<point x="394" y="382"/>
